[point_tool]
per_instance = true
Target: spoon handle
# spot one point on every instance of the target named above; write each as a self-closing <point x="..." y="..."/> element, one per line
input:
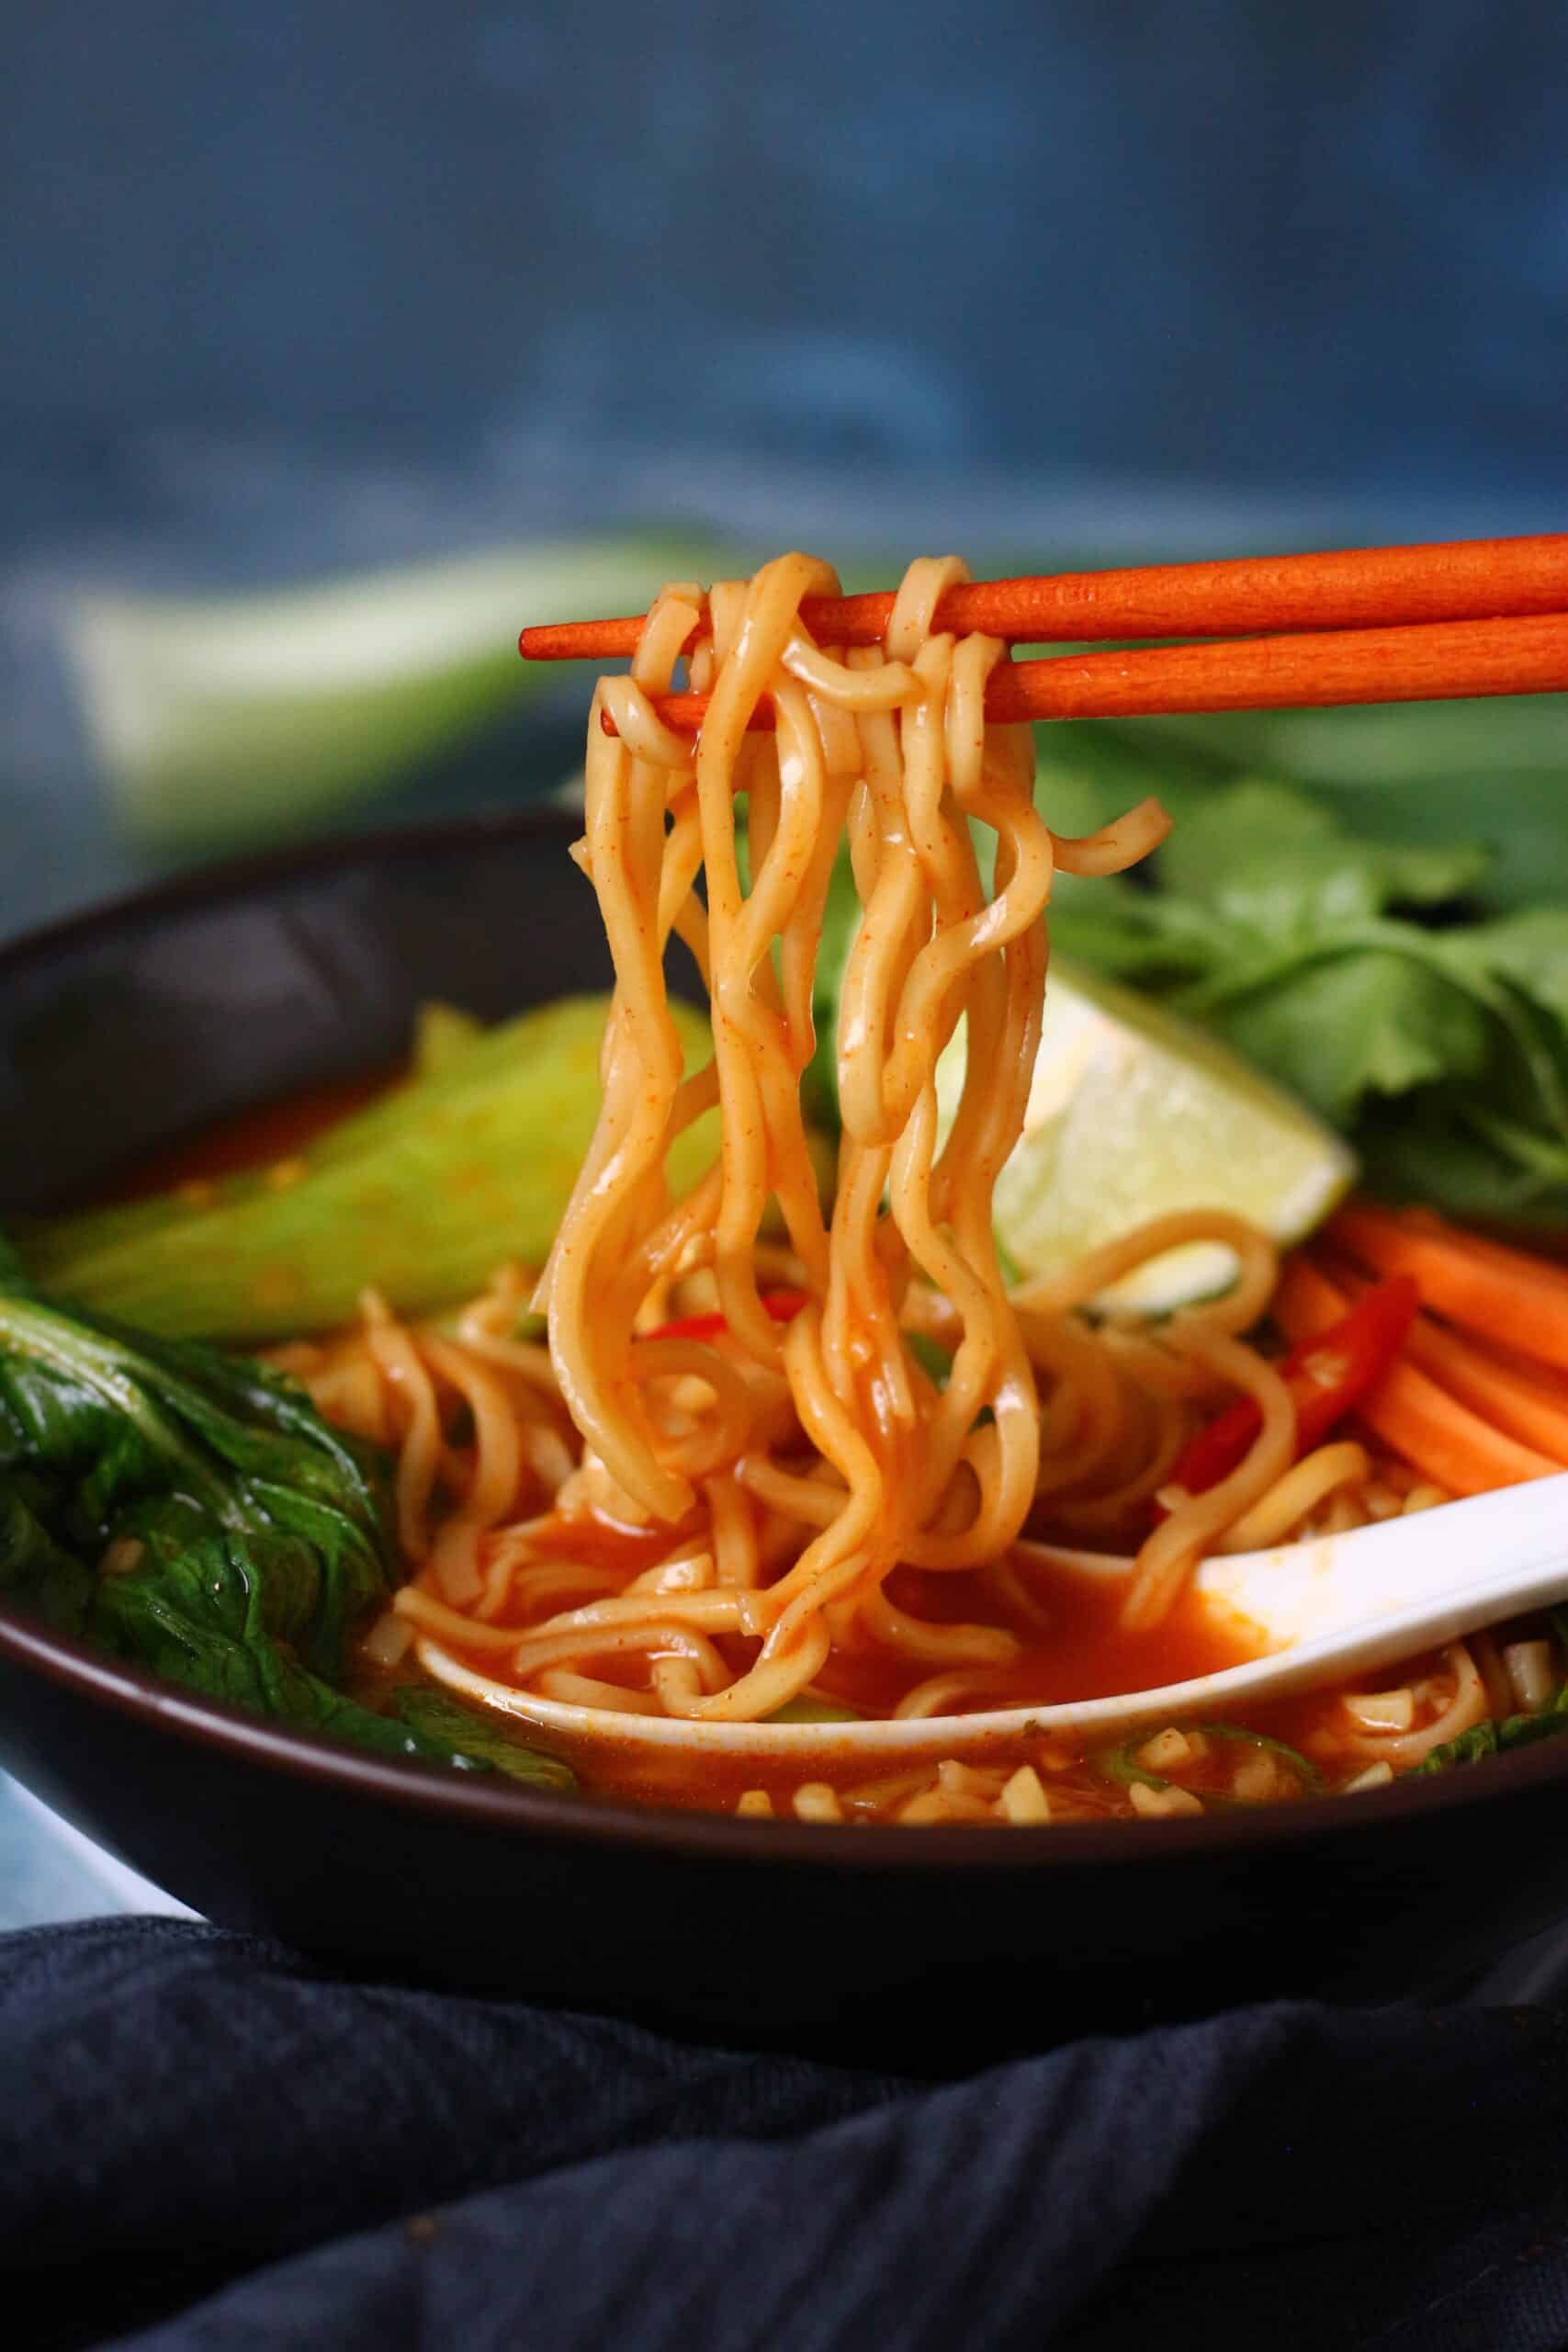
<point x="1430" y="1575"/>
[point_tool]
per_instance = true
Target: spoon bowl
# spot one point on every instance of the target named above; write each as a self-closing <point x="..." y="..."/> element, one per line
<point x="1315" y="1612"/>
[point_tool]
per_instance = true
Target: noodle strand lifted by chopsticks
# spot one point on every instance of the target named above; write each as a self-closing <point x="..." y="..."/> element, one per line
<point x="897" y="747"/>
<point x="771" y="1475"/>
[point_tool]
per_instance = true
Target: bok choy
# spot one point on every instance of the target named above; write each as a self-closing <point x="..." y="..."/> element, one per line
<point x="470" y="1162"/>
<point x="192" y="1513"/>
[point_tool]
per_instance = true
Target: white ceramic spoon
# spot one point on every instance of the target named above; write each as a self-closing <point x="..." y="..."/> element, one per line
<point x="1323" y="1611"/>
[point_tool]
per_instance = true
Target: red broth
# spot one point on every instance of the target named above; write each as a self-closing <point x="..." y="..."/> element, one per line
<point x="257" y="1137"/>
<point x="1084" y="1653"/>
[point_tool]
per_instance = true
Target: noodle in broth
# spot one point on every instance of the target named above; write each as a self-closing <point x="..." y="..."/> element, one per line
<point x="732" y="1483"/>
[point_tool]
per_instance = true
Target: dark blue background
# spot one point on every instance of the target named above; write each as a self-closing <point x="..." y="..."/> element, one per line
<point x="568" y="252"/>
<point x="289" y="287"/>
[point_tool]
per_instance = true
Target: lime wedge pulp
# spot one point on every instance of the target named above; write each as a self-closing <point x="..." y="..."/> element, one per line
<point x="1136" y="1114"/>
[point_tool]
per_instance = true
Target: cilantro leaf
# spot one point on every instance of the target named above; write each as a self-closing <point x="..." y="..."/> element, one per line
<point x="1129" y="934"/>
<point x="1261" y="854"/>
<point x="1369" y="977"/>
<point x="1368" y="1024"/>
<point x="1529" y="949"/>
<point x="1444" y="1147"/>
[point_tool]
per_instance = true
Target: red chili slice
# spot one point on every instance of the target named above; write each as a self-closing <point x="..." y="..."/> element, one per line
<point x="1325" y="1376"/>
<point x="781" y="1304"/>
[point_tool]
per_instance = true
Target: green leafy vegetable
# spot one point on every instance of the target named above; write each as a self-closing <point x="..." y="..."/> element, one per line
<point x="1305" y="1771"/>
<point x="1121" y="1763"/>
<point x="478" y="1738"/>
<point x="1262" y="854"/>
<point x="934" y="1360"/>
<point x="806" y="1710"/>
<point x="192" y="1513"/>
<point x="1497" y="1735"/>
<point x="224" y="718"/>
<point x="1490" y="770"/>
<point x="421" y="1194"/>
<point x="36" y="1573"/>
<point x="840" y="916"/>
<point x="1481" y="1740"/>
<point x="441" y="1032"/>
<point x="125" y="1436"/>
<point x="1369" y="1023"/>
<point x="1364" y="975"/>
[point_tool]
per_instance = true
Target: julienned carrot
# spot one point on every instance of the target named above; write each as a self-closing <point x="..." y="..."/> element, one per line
<point x="1550" y="1379"/>
<point x="1526" y="1400"/>
<point x="1434" y="1432"/>
<point x="1504" y="1294"/>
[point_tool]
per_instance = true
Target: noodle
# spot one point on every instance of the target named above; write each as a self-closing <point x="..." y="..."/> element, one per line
<point x="695" y="1502"/>
<point x="896" y="746"/>
<point x="1294" y="1496"/>
<point x="1465" y="1706"/>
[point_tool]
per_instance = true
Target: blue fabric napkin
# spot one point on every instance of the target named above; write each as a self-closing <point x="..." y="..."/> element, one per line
<point x="209" y="2141"/>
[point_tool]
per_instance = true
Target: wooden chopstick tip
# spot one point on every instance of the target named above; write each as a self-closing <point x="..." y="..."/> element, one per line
<point x="581" y="641"/>
<point x="539" y="640"/>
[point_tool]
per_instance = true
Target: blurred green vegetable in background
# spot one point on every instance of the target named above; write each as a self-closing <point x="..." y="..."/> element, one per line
<point x="220" y="721"/>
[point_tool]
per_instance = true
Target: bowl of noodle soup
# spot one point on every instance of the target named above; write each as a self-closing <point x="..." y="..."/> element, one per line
<point x="738" y="1494"/>
<point x="144" y="1023"/>
<point x="760" y="1493"/>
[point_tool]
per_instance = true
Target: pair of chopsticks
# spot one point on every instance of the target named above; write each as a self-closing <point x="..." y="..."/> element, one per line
<point x="1361" y="625"/>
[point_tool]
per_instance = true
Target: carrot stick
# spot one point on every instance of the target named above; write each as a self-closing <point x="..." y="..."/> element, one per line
<point x="1431" y="662"/>
<point x="1548" y="1379"/>
<point x="1502" y="1294"/>
<point x="1433" y="1433"/>
<point x="1517" y="1395"/>
<point x="1351" y="588"/>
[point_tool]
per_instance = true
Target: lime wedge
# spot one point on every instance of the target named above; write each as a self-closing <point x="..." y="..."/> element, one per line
<point x="1135" y="1114"/>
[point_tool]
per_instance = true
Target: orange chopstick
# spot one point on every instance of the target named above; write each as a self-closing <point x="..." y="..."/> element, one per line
<point x="1435" y="661"/>
<point x="1349" y="588"/>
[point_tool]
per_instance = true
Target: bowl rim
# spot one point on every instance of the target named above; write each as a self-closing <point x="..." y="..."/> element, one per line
<point x="190" y="889"/>
<point x="410" y="1785"/>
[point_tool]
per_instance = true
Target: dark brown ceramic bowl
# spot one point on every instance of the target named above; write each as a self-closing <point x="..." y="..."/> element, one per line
<point x="143" y="1022"/>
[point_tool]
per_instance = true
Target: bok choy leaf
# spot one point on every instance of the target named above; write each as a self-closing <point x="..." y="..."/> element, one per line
<point x="422" y="1194"/>
<point x="192" y="1514"/>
